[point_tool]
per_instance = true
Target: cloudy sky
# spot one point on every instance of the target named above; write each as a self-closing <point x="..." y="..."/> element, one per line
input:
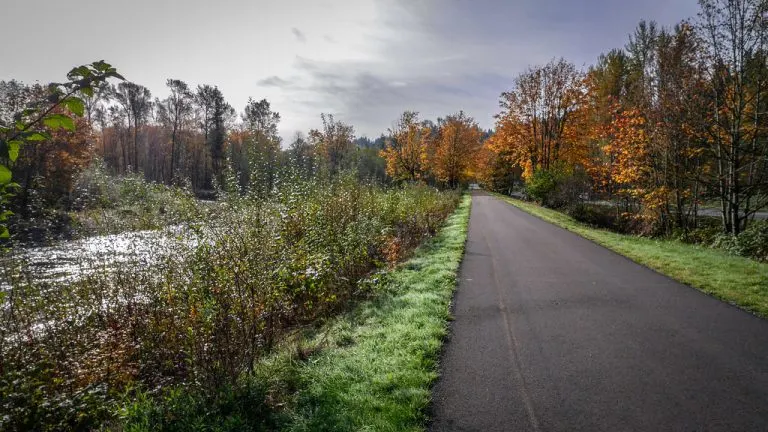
<point x="363" y="60"/>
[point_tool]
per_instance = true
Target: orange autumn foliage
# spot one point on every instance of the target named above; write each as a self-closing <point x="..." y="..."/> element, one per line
<point x="542" y="122"/>
<point x="405" y="151"/>
<point x="455" y="149"/>
<point x="54" y="164"/>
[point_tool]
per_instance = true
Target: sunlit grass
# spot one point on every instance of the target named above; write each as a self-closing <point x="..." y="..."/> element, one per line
<point x="736" y="280"/>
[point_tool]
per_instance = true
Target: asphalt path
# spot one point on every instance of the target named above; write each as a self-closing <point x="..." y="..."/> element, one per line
<point x="555" y="333"/>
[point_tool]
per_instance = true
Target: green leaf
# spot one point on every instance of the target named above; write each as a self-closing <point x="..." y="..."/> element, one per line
<point x="58" y="121"/>
<point x="101" y="65"/>
<point x="88" y="91"/>
<point x="37" y="136"/>
<point x="13" y="150"/>
<point x="76" y="105"/>
<point x="5" y="175"/>
<point x="79" y="72"/>
<point x="4" y="233"/>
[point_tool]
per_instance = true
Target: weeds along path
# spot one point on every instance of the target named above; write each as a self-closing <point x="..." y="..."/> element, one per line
<point x="382" y="358"/>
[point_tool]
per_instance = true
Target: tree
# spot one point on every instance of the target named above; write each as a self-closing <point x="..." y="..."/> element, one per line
<point x="33" y="124"/>
<point x="641" y="51"/>
<point x="216" y="112"/>
<point x="679" y="119"/>
<point x="94" y="102"/>
<point x="334" y="144"/>
<point x="262" y="146"/>
<point x="496" y="170"/>
<point x="175" y="111"/>
<point x="259" y="116"/>
<point x="301" y="156"/>
<point x="535" y="126"/>
<point x="405" y="148"/>
<point x="136" y="101"/>
<point x="53" y="164"/>
<point x="14" y="98"/>
<point x="455" y="148"/>
<point x="734" y="32"/>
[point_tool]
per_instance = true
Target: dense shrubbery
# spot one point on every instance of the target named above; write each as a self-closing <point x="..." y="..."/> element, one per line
<point x="192" y="320"/>
<point x="751" y="243"/>
<point x="595" y="215"/>
<point x="557" y="187"/>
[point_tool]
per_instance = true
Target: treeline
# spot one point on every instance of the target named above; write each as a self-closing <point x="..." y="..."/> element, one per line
<point x="442" y="152"/>
<point x="192" y="137"/>
<point x="674" y="120"/>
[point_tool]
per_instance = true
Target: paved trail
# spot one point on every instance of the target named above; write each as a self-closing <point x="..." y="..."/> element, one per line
<point x="555" y="333"/>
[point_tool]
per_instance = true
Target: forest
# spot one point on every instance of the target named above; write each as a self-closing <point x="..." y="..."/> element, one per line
<point x="221" y="243"/>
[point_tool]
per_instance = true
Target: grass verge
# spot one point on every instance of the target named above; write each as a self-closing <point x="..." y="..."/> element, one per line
<point x="372" y="369"/>
<point x="736" y="280"/>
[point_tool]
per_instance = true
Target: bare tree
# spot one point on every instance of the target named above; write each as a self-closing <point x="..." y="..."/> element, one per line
<point x="136" y="101"/>
<point x="735" y="34"/>
<point x="174" y="112"/>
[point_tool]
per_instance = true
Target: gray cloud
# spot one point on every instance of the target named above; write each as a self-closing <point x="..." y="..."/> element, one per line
<point x="298" y="35"/>
<point x="441" y="56"/>
<point x="356" y="93"/>
<point x="273" y="81"/>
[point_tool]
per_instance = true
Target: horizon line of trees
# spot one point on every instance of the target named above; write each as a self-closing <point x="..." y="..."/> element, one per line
<point x="194" y="137"/>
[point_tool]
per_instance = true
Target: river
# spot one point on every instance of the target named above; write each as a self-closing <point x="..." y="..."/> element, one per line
<point x="74" y="259"/>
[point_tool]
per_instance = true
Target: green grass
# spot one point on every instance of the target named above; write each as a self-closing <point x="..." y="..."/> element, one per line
<point x="375" y="366"/>
<point x="736" y="280"/>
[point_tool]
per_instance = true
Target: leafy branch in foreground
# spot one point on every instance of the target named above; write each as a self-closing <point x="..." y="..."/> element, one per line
<point x="34" y="124"/>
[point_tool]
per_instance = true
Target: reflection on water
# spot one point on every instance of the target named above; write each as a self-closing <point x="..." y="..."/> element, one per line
<point x="74" y="259"/>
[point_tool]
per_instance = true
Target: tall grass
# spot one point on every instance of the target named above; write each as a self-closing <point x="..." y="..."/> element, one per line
<point x="195" y="318"/>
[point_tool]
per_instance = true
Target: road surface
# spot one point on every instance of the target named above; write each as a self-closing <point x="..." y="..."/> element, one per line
<point x="555" y="333"/>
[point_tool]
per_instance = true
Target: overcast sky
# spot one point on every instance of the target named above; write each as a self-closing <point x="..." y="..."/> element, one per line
<point x="363" y="60"/>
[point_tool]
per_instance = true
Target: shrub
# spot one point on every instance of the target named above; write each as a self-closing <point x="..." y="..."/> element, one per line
<point x="708" y="231"/>
<point x="541" y="185"/>
<point x="751" y="243"/>
<point x="595" y="215"/>
<point x="558" y="187"/>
